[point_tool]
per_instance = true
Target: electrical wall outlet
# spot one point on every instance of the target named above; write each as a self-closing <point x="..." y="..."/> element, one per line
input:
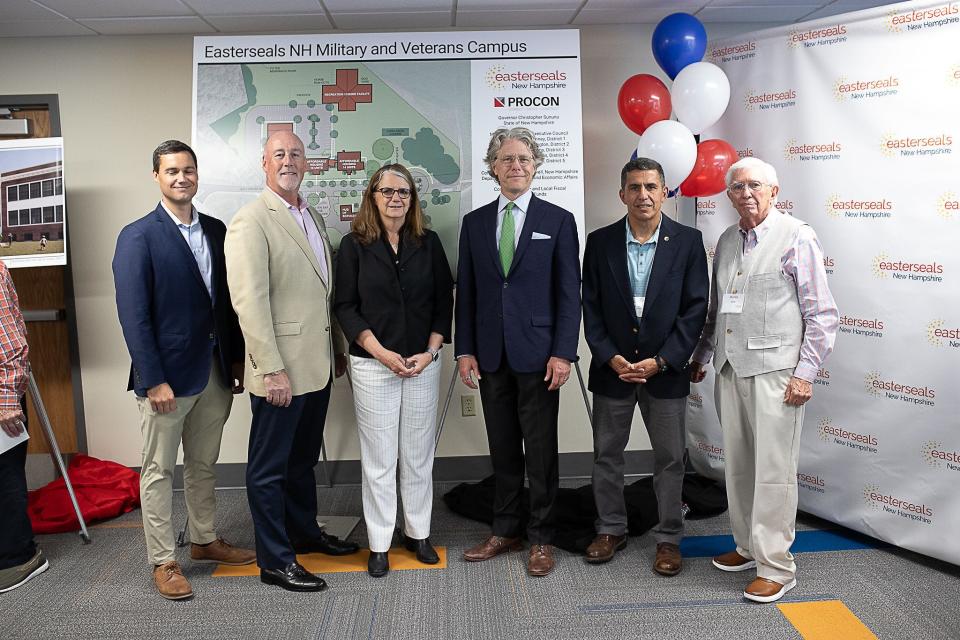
<point x="468" y="405"/>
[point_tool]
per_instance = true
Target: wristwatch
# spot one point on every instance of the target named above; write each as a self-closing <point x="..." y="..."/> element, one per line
<point x="661" y="363"/>
<point x="434" y="353"/>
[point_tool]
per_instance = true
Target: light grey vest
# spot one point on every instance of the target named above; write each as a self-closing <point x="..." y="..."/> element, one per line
<point x="767" y="335"/>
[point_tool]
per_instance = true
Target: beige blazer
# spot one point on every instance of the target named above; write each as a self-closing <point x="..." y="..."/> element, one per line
<point x="281" y="299"/>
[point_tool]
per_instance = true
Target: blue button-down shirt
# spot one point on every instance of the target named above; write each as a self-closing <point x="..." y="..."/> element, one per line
<point x="640" y="260"/>
<point x="199" y="246"/>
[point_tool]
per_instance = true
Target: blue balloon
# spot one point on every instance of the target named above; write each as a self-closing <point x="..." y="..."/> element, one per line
<point x="633" y="156"/>
<point x="679" y="39"/>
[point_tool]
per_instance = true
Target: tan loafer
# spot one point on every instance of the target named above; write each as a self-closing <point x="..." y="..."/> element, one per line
<point x="733" y="561"/>
<point x="170" y="581"/>
<point x="764" y="590"/>
<point x="222" y="552"/>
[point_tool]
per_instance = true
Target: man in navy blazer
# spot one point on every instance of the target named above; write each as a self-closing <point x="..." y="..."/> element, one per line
<point x="186" y="351"/>
<point x="645" y="291"/>
<point x="517" y="329"/>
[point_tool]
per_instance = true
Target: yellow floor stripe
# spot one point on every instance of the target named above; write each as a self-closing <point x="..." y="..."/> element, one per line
<point x="825" y="620"/>
<point x="400" y="559"/>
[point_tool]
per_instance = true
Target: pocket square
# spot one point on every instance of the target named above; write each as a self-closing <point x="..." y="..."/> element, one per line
<point x="539" y="236"/>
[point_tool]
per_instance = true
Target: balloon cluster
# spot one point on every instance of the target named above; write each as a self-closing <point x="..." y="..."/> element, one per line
<point x="698" y="98"/>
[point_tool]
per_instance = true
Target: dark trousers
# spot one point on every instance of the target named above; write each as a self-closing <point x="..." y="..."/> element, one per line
<point x="521" y="420"/>
<point x="281" y="488"/>
<point x="16" y="535"/>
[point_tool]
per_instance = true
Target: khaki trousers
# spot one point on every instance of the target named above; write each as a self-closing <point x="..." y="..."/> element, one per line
<point x="761" y="442"/>
<point x="197" y="422"/>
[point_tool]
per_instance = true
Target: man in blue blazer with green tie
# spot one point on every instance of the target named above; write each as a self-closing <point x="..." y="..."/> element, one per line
<point x="517" y="329"/>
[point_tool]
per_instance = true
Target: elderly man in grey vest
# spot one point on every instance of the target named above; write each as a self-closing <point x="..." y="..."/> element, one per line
<point x="771" y="324"/>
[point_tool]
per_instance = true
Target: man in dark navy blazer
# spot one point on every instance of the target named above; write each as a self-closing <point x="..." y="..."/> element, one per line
<point x="187" y="352"/>
<point x="517" y="329"/>
<point x="645" y="293"/>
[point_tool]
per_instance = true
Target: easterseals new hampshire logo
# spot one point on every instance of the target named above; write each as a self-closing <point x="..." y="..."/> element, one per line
<point x="895" y="389"/>
<point x="863" y="441"/>
<point x="940" y="334"/>
<point x="865" y="88"/>
<point x="818" y="37"/>
<point x="886" y="502"/>
<point x="917" y="19"/>
<point x="948" y="205"/>
<point x="769" y="99"/>
<point x="937" y="457"/>
<point x="862" y="209"/>
<point x="812" y="482"/>
<point x="927" y="272"/>
<point x="812" y="151"/>
<point x="937" y="143"/>
<point x="863" y="326"/>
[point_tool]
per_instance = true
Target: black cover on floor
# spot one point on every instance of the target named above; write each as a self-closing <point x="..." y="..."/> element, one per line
<point x="575" y="510"/>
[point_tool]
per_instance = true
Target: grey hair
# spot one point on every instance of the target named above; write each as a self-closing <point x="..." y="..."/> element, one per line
<point x="766" y="170"/>
<point x="396" y="174"/>
<point x="500" y="136"/>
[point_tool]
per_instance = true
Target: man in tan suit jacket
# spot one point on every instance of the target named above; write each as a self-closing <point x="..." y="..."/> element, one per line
<point x="279" y="268"/>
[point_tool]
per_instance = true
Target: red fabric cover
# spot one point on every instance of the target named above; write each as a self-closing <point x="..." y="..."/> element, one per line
<point x="104" y="490"/>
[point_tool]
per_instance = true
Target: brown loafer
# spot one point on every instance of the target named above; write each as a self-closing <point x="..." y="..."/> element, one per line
<point x="540" y="562"/>
<point x="222" y="552"/>
<point x="170" y="581"/>
<point x="733" y="561"/>
<point x="668" y="561"/>
<point x="604" y="547"/>
<point x="492" y="547"/>
<point x="765" y="590"/>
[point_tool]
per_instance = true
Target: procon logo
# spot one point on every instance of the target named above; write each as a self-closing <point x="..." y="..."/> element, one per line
<point x="936" y="456"/>
<point x="812" y="151"/>
<point x="498" y="77"/>
<point x="940" y="334"/>
<point x="865" y="327"/>
<point x="912" y="20"/>
<point x="734" y="52"/>
<point x="879" y="500"/>
<point x="858" y="89"/>
<point x="766" y="100"/>
<point x="527" y="101"/>
<point x="948" y="206"/>
<point x="818" y="37"/>
<point x="891" y="389"/>
<point x="841" y="207"/>
<point x="829" y="432"/>
<point x="885" y="267"/>
<point x="892" y="145"/>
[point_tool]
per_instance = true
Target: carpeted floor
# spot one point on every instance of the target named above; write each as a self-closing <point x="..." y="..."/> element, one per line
<point x="104" y="590"/>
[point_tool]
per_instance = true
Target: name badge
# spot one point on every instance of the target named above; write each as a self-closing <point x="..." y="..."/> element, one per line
<point x="732" y="303"/>
<point x="638" y="305"/>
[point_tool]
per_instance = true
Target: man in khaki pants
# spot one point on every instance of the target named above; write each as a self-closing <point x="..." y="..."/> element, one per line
<point x="186" y="352"/>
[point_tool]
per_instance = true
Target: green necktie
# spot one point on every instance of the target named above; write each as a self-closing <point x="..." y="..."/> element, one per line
<point x="507" y="234"/>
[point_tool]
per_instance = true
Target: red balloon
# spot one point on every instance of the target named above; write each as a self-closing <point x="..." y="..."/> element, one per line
<point x="643" y="100"/>
<point x="714" y="157"/>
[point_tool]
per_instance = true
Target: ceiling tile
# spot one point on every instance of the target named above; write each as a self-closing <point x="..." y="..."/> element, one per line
<point x="642" y="15"/>
<point x="26" y="10"/>
<point x="38" y="28"/>
<point x="765" y="3"/>
<point x="386" y="20"/>
<point x="510" y="5"/>
<point x="148" y="26"/>
<point x="783" y="14"/>
<point x="270" y="24"/>
<point x="641" y="5"/>
<point x="837" y="8"/>
<point x="390" y="6"/>
<point x="254" y="7"/>
<point x="514" y="18"/>
<point x="117" y="8"/>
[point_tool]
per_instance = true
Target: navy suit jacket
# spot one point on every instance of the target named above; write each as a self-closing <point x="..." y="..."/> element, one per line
<point x="169" y="322"/>
<point x="673" y="315"/>
<point x="533" y="313"/>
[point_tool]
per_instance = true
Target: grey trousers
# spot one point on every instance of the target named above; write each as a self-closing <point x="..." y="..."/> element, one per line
<point x="664" y="419"/>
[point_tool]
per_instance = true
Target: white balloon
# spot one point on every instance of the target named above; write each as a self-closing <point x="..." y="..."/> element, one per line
<point x="700" y="94"/>
<point x="673" y="146"/>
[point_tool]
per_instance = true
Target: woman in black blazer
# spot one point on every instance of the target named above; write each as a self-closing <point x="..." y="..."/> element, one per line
<point x="394" y="301"/>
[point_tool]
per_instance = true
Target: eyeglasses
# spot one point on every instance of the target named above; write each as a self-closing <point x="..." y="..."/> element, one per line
<point x="509" y="160"/>
<point x="388" y="192"/>
<point x="753" y="186"/>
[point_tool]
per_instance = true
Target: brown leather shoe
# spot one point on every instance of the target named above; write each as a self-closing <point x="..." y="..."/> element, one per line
<point x="604" y="547"/>
<point x="668" y="561"/>
<point x="222" y="552"/>
<point x="764" y="590"/>
<point x="733" y="561"/>
<point x="170" y="581"/>
<point x="540" y="562"/>
<point x="491" y="547"/>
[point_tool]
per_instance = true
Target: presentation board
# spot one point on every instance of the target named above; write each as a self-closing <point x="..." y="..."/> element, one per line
<point x="426" y="100"/>
<point x="858" y="114"/>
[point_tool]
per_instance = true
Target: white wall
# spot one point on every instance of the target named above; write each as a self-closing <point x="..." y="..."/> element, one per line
<point x="121" y="96"/>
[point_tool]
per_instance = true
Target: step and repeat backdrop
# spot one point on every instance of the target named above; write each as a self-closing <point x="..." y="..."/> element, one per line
<point x="859" y="115"/>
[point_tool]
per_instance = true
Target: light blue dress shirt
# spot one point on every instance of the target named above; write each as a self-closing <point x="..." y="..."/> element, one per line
<point x="640" y="260"/>
<point x="199" y="246"/>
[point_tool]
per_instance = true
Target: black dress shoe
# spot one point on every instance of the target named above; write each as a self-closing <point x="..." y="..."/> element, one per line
<point x="424" y="550"/>
<point x="328" y="544"/>
<point x="293" y="577"/>
<point x="379" y="564"/>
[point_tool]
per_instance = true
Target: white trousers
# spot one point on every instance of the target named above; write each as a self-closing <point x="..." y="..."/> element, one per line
<point x="761" y="442"/>
<point x="396" y="417"/>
